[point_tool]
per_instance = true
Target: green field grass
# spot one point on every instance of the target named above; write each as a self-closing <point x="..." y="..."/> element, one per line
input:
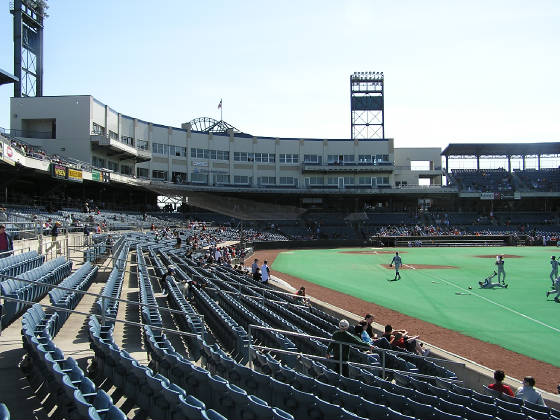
<point x="518" y="318"/>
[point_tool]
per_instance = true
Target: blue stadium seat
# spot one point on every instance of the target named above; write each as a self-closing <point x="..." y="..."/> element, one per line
<point x="4" y="412"/>
<point x="509" y="415"/>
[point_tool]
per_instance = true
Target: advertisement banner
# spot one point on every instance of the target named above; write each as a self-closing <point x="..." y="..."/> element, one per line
<point x="75" y="175"/>
<point x="487" y="196"/>
<point x="58" y="171"/>
<point x="8" y="154"/>
<point x="96" y="176"/>
<point x="100" y="176"/>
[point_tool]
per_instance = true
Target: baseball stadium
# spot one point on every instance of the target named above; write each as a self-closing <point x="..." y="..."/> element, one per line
<point x="197" y="271"/>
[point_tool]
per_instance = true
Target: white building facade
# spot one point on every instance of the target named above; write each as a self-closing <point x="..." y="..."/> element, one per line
<point x="83" y="128"/>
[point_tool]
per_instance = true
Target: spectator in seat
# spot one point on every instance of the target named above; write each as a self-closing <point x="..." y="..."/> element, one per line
<point x="6" y="243"/>
<point x="499" y="386"/>
<point x="528" y="393"/>
<point x="342" y="352"/>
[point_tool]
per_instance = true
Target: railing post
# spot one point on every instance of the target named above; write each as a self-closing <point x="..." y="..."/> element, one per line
<point x="340" y="358"/>
<point x="103" y="309"/>
<point x="249" y="345"/>
<point x="383" y="364"/>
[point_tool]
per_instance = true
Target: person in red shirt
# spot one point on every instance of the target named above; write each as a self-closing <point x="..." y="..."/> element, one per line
<point x="499" y="376"/>
<point x="6" y="243"/>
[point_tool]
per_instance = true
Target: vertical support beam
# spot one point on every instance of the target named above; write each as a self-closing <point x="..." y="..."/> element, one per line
<point x="17" y="47"/>
<point x="509" y="163"/>
<point x="539" y="161"/>
<point x="523" y="157"/>
<point x="477" y="162"/>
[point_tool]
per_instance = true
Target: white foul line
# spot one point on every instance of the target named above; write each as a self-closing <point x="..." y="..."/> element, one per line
<point x="496" y="303"/>
<point x="414" y="268"/>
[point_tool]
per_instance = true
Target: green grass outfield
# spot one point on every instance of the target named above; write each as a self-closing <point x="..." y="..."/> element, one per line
<point x="518" y="318"/>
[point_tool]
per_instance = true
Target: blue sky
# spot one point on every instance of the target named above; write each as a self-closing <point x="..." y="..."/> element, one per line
<point x="454" y="71"/>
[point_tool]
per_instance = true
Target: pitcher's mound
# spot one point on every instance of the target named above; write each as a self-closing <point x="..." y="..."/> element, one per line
<point x="503" y="255"/>
<point x="421" y="267"/>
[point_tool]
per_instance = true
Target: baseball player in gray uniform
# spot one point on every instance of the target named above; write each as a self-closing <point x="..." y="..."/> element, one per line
<point x="501" y="271"/>
<point x="554" y="272"/>
<point x="557" y="286"/>
<point x="397" y="262"/>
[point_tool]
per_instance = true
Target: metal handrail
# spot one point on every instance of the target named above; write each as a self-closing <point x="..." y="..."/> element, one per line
<point x="100" y="317"/>
<point x="53" y="286"/>
<point x="362" y="365"/>
<point x="365" y="346"/>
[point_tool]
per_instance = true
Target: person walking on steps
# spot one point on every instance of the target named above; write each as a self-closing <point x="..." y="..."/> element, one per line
<point x="397" y="262"/>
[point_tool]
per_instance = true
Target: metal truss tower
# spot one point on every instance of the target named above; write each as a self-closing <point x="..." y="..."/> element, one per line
<point x="367" y="105"/>
<point x="28" y="46"/>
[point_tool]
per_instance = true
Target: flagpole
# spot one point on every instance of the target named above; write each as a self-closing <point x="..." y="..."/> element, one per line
<point x="221" y="110"/>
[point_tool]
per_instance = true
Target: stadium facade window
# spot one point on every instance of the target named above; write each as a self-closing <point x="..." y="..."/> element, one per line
<point x="313" y="159"/>
<point x="160" y="149"/>
<point x="199" y="178"/>
<point x="222" y="155"/>
<point x="316" y="180"/>
<point x="142" y="144"/>
<point x="127" y="140"/>
<point x="267" y="180"/>
<point x="288" y="158"/>
<point x="98" y="162"/>
<point x="265" y="157"/>
<point x="348" y="180"/>
<point x="178" y="151"/>
<point x="365" y="158"/>
<point x="97" y="129"/>
<point x="142" y="172"/>
<point x="126" y="170"/>
<point x="221" y="179"/>
<point x="161" y="175"/>
<point x="382" y="180"/>
<point x="209" y="154"/>
<point x="332" y="180"/>
<point x="113" y="135"/>
<point x="113" y="166"/>
<point x="243" y="157"/>
<point x="241" y="179"/>
<point x="288" y="180"/>
<point x="348" y="158"/>
<point x="364" y="180"/>
<point x="381" y="158"/>
<point x="179" y="177"/>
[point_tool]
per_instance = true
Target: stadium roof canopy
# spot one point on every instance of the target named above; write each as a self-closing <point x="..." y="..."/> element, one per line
<point x="501" y="149"/>
<point x="6" y="77"/>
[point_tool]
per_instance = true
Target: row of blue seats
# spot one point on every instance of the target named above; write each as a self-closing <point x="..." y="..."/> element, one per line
<point x="228" y="399"/>
<point x="107" y="303"/>
<point x="153" y="393"/>
<point x="80" y="280"/>
<point x="160" y="348"/>
<point x="226" y="328"/>
<point x="245" y="318"/>
<point x="150" y="315"/>
<point x="298" y="396"/>
<point x="18" y="264"/>
<point x="75" y="394"/>
<point x="459" y="398"/>
<point x="120" y="253"/>
<point x="51" y="272"/>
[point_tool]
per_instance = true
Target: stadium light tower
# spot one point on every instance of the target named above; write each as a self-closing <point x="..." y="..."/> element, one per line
<point x="367" y="105"/>
<point x="28" y="46"/>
